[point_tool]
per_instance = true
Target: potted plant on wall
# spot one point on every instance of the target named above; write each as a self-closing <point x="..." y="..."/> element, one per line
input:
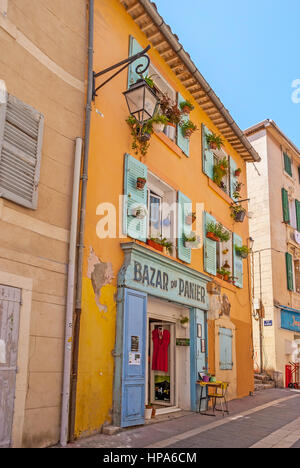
<point x="190" y="218"/>
<point x="186" y="107"/>
<point x="211" y="232"/>
<point x="139" y="212"/>
<point x="188" y="128"/>
<point x="191" y="241"/>
<point x="140" y="183"/>
<point x="220" y="170"/>
<point x="238" y="213"/>
<point x="162" y="244"/>
<point x="170" y="110"/>
<point x="224" y="274"/>
<point x="214" y="141"/>
<point x="159" y="122"/>
<point x="237" y="172"/>
<point x="184" y="321"/>
<point x="140" y="134"/>
<point x="242" y="251"/>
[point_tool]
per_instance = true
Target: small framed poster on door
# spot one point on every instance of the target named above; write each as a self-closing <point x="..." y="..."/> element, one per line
<point x="203" y="346"/>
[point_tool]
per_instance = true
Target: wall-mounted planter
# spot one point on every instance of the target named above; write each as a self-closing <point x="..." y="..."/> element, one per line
<point x="140" y="183"/>
<point x="239" y="216"/>
<point x="139" y="212"/>
<point x="212" y="236"/>
<point x="158" y="127"/>
<point x="155" y="245"/>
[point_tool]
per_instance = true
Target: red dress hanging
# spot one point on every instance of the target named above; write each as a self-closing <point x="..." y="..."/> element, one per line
<point x="160" y="350"/>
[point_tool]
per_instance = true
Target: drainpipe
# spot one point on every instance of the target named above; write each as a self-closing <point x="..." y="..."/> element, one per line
<point x="70" y="297"/>
<point x="84" y="179"/>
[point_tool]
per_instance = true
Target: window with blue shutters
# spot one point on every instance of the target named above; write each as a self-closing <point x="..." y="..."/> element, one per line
<point x="237" y="262"/>
<point x="287" y="164"/>
<point x="134" y="198"/>
<point x="207" y="154"/>
<point x="225" y="341"/>
<point x="184" y="209"/>
<point x="210" y="248"/>
<point x="182" y="142"/>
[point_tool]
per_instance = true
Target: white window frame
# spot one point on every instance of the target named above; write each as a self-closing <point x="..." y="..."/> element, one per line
<point x="168" y="196"/>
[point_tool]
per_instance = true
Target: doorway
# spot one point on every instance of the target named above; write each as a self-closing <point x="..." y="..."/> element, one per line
<point x="162" y="364"/>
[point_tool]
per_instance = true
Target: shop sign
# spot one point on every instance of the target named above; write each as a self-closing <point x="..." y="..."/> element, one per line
<point x="268" y="323"/>
<point x="163" y="277"/>
<point x="290" y="320"/>
<point x="182" y="342"/>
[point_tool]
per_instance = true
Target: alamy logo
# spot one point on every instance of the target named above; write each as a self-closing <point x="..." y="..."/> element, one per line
<point x="296" y="93"/>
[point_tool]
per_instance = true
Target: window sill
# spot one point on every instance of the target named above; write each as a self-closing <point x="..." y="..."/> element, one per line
<point x="219" y="191"/>
<point x="170" y="144"/>
<point x="226" y="285"/>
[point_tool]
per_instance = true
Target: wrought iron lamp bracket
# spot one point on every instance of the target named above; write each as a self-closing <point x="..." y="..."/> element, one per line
<point x="140" y="69"/>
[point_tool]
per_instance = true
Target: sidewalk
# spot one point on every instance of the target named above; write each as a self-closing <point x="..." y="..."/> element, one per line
<point x="265" y="418"/>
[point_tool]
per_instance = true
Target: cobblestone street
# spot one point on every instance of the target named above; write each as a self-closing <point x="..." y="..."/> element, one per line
<point x="269" y="419"/>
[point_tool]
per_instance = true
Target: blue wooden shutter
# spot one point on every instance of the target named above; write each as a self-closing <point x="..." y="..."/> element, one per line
<point x="285" y="206"/>
<point x="197" y="357"/>
<point x="207" y="155"/>
<point x="225" y="341"/>
<point x="133" y="227"/>
<point x="134" y="346"/>
<point x="237" y="262"/>
<point x="184" y="208"/>
<point x="233" y="178"/>
<point x="182" y="142"/>
<point x="289" y="271"/>
<point x="134" y="48"/>
<point x="210" y="248"/>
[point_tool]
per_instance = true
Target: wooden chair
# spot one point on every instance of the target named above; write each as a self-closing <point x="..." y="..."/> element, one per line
<point x="220" y="394"/>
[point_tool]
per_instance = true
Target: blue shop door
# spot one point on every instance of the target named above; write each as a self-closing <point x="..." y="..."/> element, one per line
<point x="198" y="353"/>
<point x="134" y="358"/>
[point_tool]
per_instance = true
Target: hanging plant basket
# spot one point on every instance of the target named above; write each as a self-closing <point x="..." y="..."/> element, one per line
<point x="140" y="183"/>
<point x="239" y="216"/>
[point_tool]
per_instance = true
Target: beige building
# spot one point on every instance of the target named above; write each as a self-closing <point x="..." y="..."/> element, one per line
<point x="42" y="100"/>
<point x="274" y="192"/>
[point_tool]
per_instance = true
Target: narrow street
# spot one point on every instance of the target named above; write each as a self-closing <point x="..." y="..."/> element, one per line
<point x="269" y="419"/>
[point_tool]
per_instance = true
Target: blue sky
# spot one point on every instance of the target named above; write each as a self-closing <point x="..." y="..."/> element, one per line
<point x="248" y="51"/>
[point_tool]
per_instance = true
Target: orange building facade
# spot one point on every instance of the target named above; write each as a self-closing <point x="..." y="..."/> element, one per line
<point x="133" y="294"/>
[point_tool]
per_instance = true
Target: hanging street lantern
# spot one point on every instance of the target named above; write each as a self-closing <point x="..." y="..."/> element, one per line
<point x="141" y="101"/>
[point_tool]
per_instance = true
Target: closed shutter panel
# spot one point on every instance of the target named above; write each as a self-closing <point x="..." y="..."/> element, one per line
<point x="184" y="208"/>
<point x="225" y="348"/>
<point x="233" y="178"/>
<point x="182" y="142"/>
<point x="285" y="206"/>
<point x="21" y="134"/>
<point x="207" y="155"/>
<point x="287" y="164"/>
<point x="289" y="271"/>
<point x="210" y="248"/>
<point x="237" y="262"/>
<point x="134" y="227"/>
<point x="135" y="48"/>
<point x="298" y="214"/>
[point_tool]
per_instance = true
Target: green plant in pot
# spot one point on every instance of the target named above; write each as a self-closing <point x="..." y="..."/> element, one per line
<point x="186" y="107"/>
<point x="242" y="251"/>
<point x="211" y="232"/>
<point x="159" y="122"/>
<point x="140" y="134"/>
<point x="214" y="141"/>
<point x="170" y="110"/>
<point x="188" y="128"/>
<point x="224" y="274"/>
<point x="222" y="233"/>
<point x="220" y="170"/>
<point x="238" y="213"/>
<point x="184" y="321"/>
<point x="191" y="241"/>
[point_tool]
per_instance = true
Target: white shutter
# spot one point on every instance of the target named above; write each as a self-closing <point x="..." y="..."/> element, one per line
<point x="21" y="134"/>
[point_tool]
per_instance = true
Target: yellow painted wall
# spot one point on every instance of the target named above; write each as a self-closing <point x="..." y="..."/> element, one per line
<point x="110" y="140"/>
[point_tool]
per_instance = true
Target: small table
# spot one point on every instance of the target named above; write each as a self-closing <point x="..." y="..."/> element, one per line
<point x="206" y="385"/>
